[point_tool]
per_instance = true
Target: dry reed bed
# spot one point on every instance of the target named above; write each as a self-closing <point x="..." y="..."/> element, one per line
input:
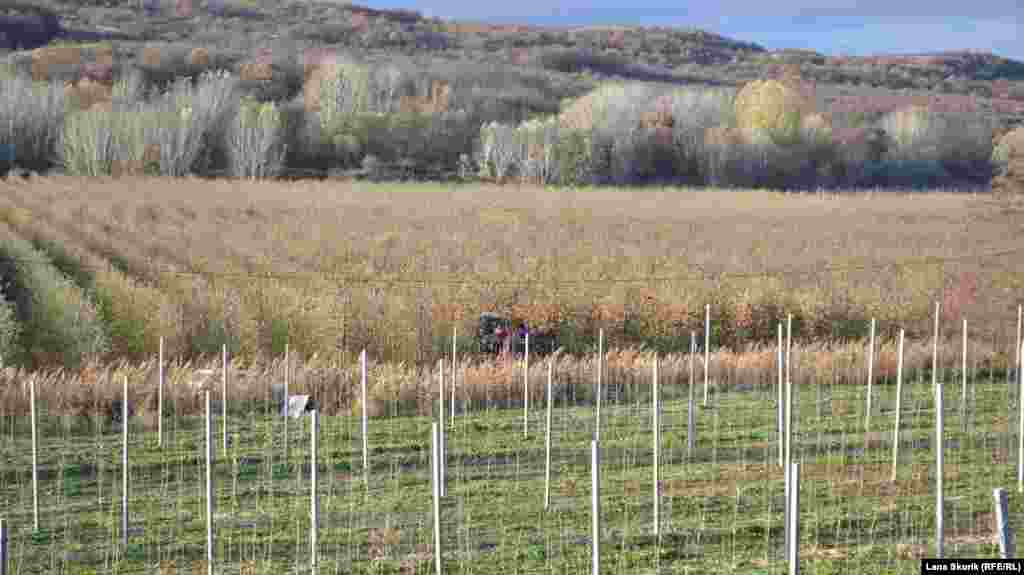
<point x="294" y="256"/>
<point x="336" y="385"/>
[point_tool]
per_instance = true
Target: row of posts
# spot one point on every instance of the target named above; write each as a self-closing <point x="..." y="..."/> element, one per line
<point x="438" y="475"/>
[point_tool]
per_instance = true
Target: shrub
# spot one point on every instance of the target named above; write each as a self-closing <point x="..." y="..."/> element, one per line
<point x="962" y="144"/>
<point x="90" y="141"/>
<point x="768" y="110"/>
<point x="538" y="141"/>
<point x="256" y="145"/>
<point x="1009" y="148"/>
<point x="499" y="151"/>
<point x="186" y="119"/>
<point x="30" y="120"/>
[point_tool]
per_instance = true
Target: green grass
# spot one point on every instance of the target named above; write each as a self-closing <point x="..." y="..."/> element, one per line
<point x="721" y="506"/>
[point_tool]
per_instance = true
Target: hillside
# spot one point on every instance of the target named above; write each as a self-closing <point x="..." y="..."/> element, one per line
<point x="511" y="74"/>
<point x="669" y="54"/>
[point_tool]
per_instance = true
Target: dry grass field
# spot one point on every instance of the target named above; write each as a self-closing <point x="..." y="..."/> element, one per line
<point x="344" y="265"/>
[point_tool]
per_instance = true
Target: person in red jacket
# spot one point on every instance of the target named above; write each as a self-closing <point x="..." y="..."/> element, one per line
<point x="504" y="342"/>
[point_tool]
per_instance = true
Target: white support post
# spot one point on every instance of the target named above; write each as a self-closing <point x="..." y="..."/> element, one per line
<point x="314" y="501"/>
<point x="691" y="417"/>
<point x="451" y="418"/>
<point x="939" y="514"/>
<point x="935" y="349"/>
<point x="595" y="507"/>
<point x="788" y="456"/>
<point x="1003" y="530"/>
<point x="366" y="452"/>
<point x="436" y="481"/>
<point x="160" y="396"/>
<point x="789" y="344"/>
<point x="899" y="404"/>
<point x="209" y="486"/>
<point x="284" y="412"/>
<point x="656" y="424"/>
<point x="1020" y="325"/>
<point x="547" y="440"/>
<point x="1020" y="430"/>
<point x="707" y="349"/>
<point x="600" y="364"/>
<point x="871" y="375"/>
<point x="224" y="395"/>
<point x="780" y="405"/>
<point x="963" y="381"/>
<point x="526" y="387"/>
<point x="793" y="515"/>
<point x="3" y="546"/>
<point x="124" y="466"/>
<point x="440" y="423"/>
<point x="35" y="453"/>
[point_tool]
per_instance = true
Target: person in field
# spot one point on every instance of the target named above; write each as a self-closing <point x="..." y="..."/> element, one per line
<point x="504" y="342"/>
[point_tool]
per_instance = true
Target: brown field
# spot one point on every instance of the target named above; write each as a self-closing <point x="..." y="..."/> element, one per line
<point x="394" y="267"/>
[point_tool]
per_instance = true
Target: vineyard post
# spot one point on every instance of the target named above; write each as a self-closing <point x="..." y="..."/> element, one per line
<point x="451" y="418"/>
<point x="314" y="502"/>
<point x="691" y="417"/>
<point x="526" y="387"/>
<point x="35" y="453"/>
<point x="935" y="349"/>
<point x="600" y="363"/>
<point x="789" y="458"/>
<point x="124" y="465"/>
<point x="780" y="403"/>
<point x="1006" y="543"/>
<point x="435" y="473"/>
<point x="938" y="472"/>
<point x="284" y="412"/>
<point x="656" y="423"/>
<point x="1020" y="324"/>
<point x="440" y="420"/>
<point x="871" y="373"/>
<point x="209" y="487"/>
<point x="707" y="349"/>
<point x="160" y="396"/>
<point x="595" y="507"/>
<point x="3" y="546"/>
<point x="1020" y="430"/>
<point x="899" y="401"/>
<point x="963" y="381"/>
<point x="224" y="394"/>
<point x="547" y="440"/>
<point x="366" y="453"/>
<point x="793" y="523"/>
